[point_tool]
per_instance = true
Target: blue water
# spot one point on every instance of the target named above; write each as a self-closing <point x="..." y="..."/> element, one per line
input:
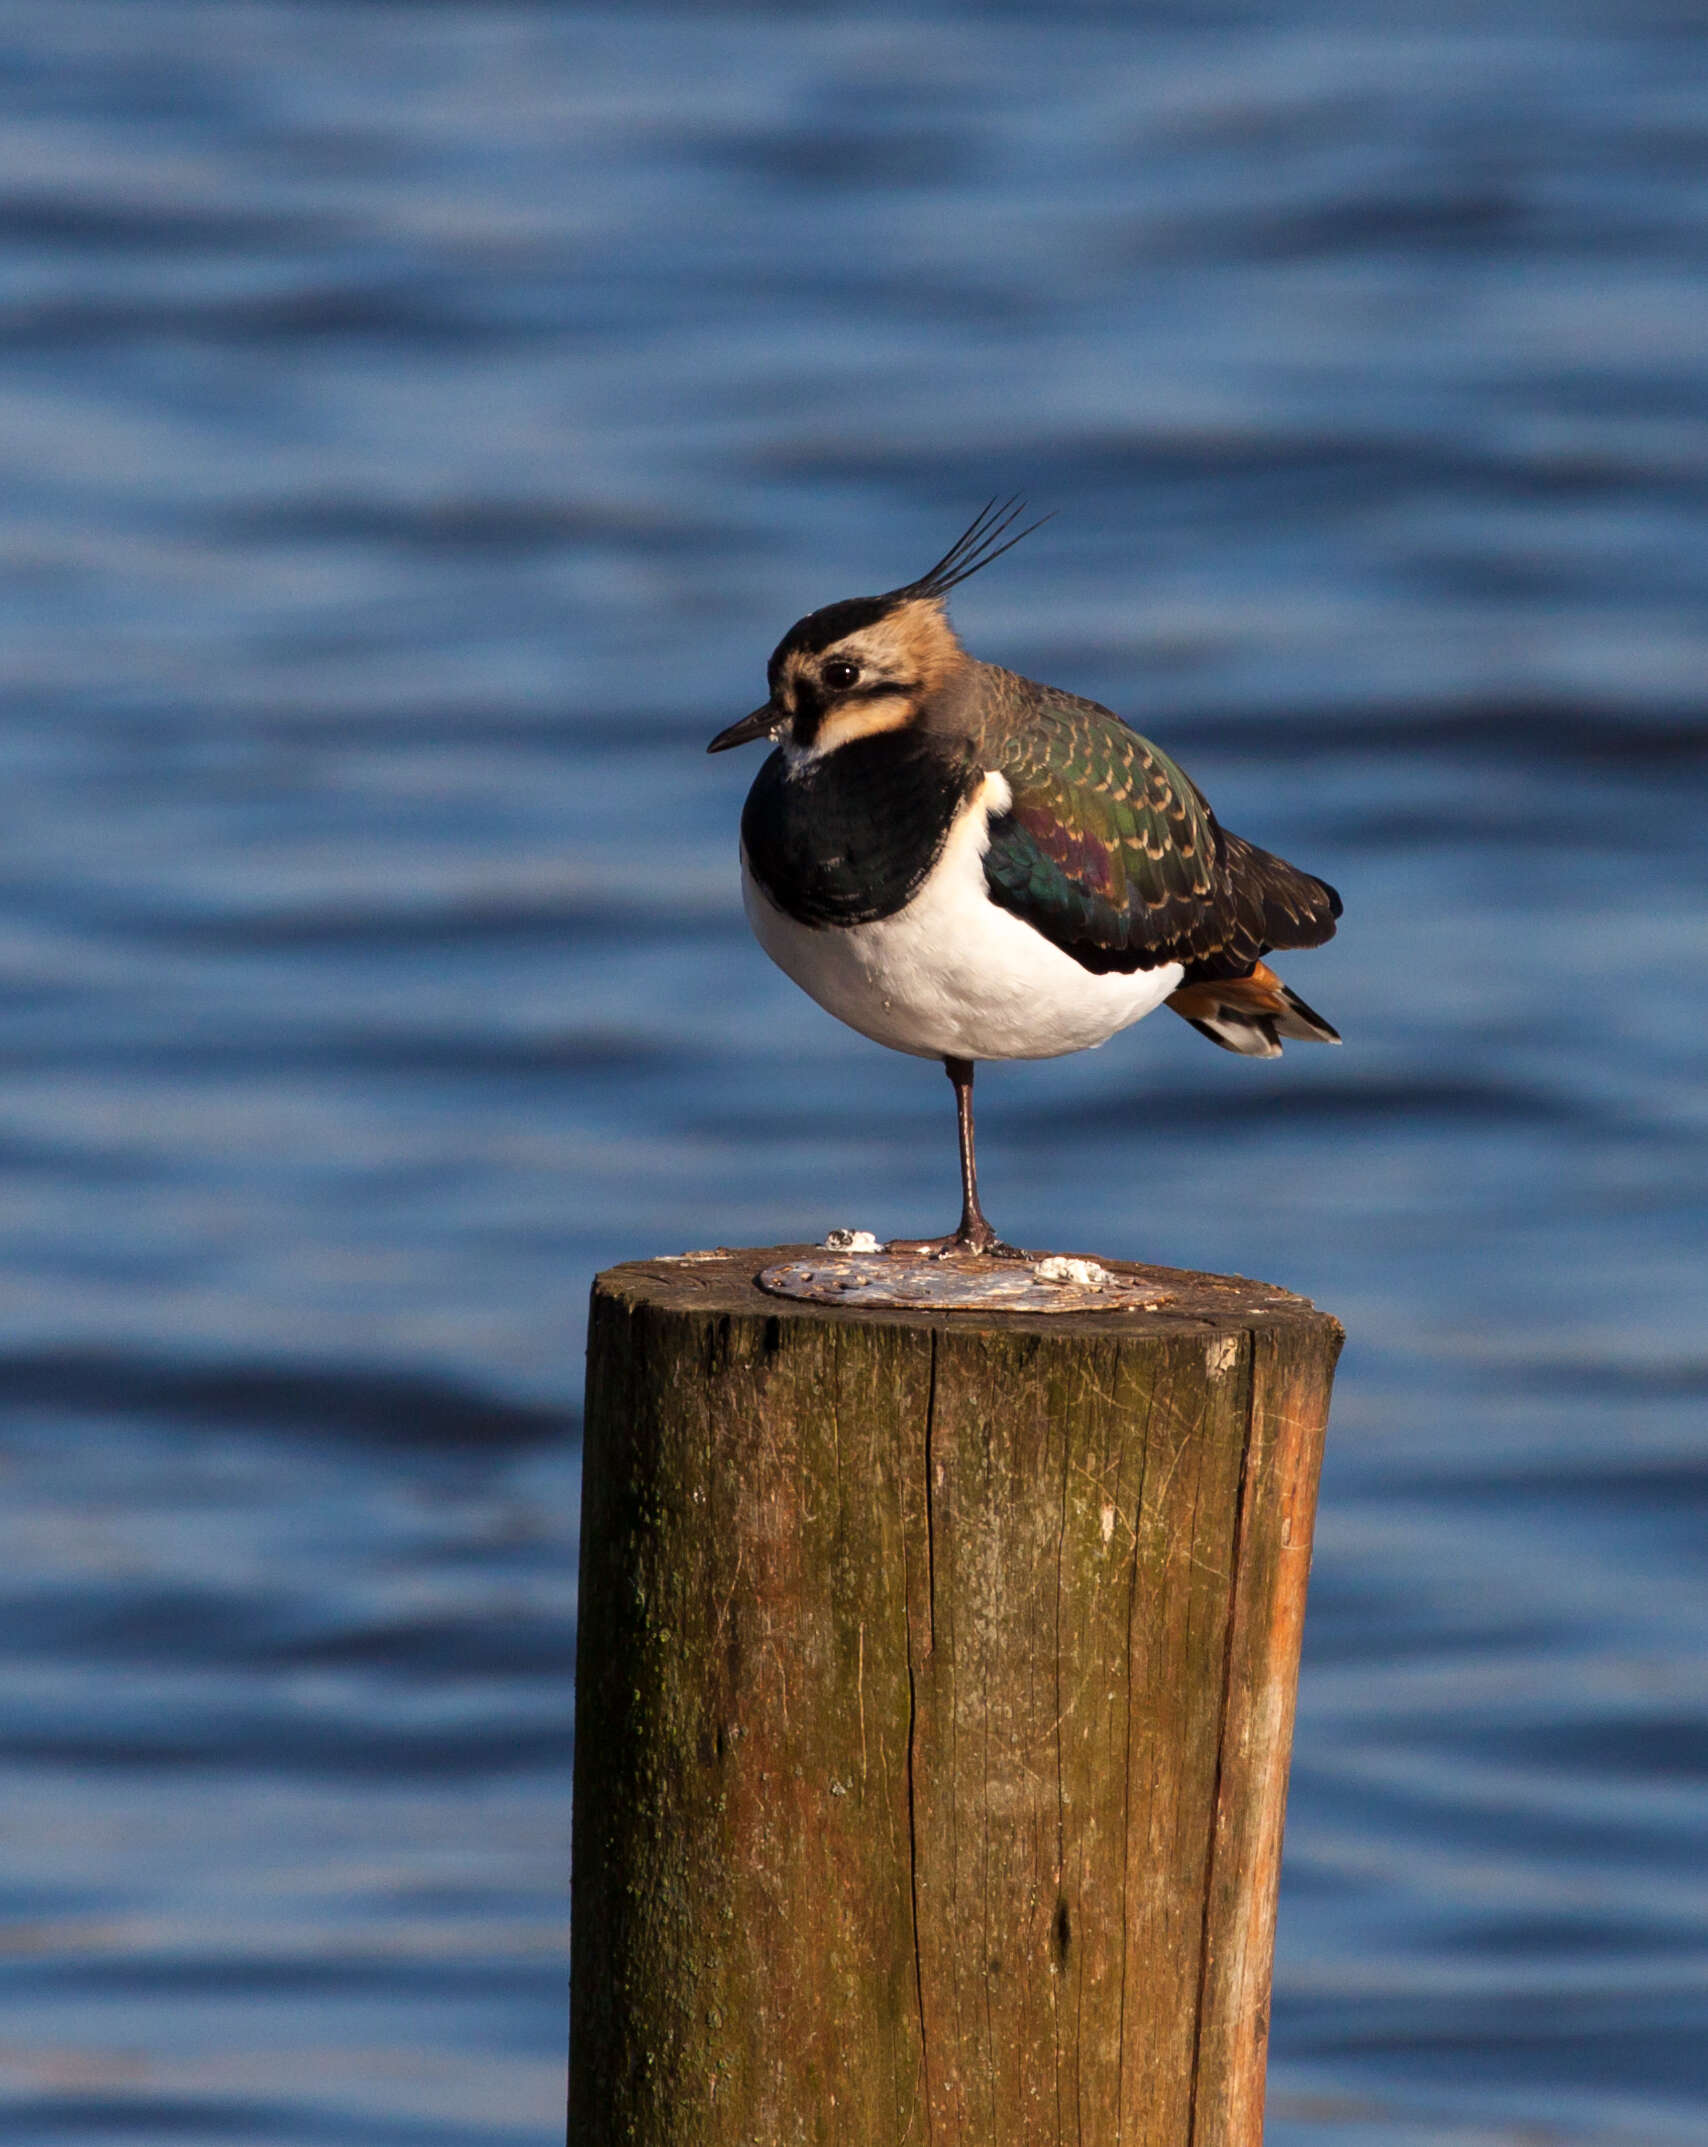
<point x="420" y="423"/>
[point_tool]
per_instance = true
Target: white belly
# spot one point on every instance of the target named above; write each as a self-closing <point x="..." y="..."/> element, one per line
<point x="951" y="975"/>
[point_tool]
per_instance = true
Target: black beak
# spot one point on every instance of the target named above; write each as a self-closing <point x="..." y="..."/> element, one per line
<point x="757" y="725"/>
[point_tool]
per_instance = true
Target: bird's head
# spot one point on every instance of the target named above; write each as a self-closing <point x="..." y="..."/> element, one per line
<point x="870" y="663"/>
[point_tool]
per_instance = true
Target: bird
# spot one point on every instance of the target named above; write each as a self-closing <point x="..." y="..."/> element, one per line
<point x="963" y="864"/>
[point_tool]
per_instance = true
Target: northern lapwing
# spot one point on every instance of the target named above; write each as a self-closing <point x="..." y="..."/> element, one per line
<point x="963" y="864"/>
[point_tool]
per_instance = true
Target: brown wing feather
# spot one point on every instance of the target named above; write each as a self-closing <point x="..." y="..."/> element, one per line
<point x="1267" y="904"/>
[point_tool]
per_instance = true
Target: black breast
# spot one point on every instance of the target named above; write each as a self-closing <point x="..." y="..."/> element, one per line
<point x="850" y="838"/>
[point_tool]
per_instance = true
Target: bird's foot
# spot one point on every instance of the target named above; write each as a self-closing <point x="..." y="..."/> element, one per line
<point x="975" y="1238"/>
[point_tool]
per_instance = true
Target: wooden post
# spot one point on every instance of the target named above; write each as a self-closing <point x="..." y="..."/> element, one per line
<point x="935" y="1690"/>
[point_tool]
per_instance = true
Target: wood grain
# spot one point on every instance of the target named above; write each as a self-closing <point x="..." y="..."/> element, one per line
<point x="934" y="1692"/>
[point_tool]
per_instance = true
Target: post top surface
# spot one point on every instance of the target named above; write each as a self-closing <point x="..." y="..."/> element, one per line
<point x="1149" y="1300"/>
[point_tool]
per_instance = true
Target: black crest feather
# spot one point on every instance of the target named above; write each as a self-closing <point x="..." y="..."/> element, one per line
<point x="983" y="540"/>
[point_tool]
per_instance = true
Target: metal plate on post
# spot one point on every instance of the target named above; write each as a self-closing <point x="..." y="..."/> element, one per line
<point x="952" y="1282"/>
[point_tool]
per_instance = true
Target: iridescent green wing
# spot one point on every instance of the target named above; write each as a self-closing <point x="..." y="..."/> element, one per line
<point x="1107" y="848"/>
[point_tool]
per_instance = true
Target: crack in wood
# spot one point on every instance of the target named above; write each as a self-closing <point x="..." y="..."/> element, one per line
<point x="1207" y="1934"/>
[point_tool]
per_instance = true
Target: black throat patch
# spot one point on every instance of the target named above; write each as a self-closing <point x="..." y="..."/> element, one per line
<point x="851" y="838"/>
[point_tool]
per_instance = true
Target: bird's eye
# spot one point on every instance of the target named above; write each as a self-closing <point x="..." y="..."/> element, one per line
<point x="840" y="674"/>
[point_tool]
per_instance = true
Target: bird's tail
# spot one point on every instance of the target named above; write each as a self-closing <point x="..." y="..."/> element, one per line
<point x="1251" y="1014"/>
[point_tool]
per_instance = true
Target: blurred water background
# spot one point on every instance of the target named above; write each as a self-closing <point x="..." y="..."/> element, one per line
<point x="420" y="423"/>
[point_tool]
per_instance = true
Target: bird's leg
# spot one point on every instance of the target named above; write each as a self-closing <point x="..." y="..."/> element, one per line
<point x="975" y="1233"/>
